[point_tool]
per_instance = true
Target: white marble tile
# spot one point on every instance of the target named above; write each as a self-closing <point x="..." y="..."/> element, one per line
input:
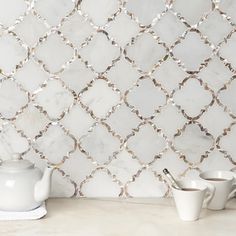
<point x="15" y="53"/>
<point x="172" y="162"/>
<point x="169" y="74"/>
<point x="192" y="97"/>
<point x="227" y="50"/>
<point x="194" y="11"/>
<point x="124" y="166"/>
<point x="199" y="51"/>
<point x="31" y="121"/>
<point x="169" y="28"/>
<point x="170" y="119"/>
<point x="146" y="97"/>
<point x="77" y="174"/>
<point x="100" y="52"/>
<point x="54" y="53"/>
<point x="77" y="29"/>
<point x="147" y="185"/>
<point x="226" y="96"/>
<point x="122" y="35"/>
<point x="106" y="9"/>
<point x="123" y="75"/>
<point x="100" y="98"/>
<point x="216" y="161"/>
<point x="55" y="144"/>
<point x="147" y="13"/>
<point x="12" y="99"/>
<point x="229" y="7"/>
<point x="76" y="76"/>
<point x="226" y="142"/>
<point x="100" y="144"/>
<point x="54" y="99"/>
<point x="54" y="10"/>
<point x="31" y="76"/>
<point x="193" y="143"/>
<point x="103" y="183"/>
<point x="11" y="10"/>
<point x="77" y="121"/>
<point x="146" y="143"/>
<point x="31" y="29"/>
<point x="146" y="52"/>
<point x="123" y="121"/>
<point x="215" y="74"/>
<point x="114" y="91"/>
<point x="215" y="27"/>
<point x="11" y="142"/>
<point x="62" y="185"/>
<point x="215" y="126"/>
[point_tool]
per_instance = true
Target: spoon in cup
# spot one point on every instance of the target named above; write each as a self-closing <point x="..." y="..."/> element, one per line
<point x="171" y="179"/>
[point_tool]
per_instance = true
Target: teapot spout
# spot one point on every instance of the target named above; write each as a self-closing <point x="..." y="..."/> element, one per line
<point x="42" y="187"/>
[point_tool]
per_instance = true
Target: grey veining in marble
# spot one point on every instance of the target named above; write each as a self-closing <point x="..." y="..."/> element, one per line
<point x="113" y="91"/>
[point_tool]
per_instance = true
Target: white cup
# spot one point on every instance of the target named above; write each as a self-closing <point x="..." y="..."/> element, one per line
<point x="189" y="201"/>
<point x="234" y="170"/>
<point x="225" y="187"/>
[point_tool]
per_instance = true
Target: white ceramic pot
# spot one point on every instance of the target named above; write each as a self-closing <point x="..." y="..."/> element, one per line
<point x="23" y="187"/>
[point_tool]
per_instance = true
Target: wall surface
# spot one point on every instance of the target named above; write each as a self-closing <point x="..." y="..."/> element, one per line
<point x="112" y="91"/>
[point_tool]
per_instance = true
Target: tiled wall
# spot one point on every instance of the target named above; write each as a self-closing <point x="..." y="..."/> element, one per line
<point x="113" y="91"/>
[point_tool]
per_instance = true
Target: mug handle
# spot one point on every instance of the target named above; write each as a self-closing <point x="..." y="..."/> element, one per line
<point x="233" y="169"/>
<point x="210" y="193"/>
<point x="233" y="189"/>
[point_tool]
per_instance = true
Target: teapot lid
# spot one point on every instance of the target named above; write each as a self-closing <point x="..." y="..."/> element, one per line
<point x="16" y="165"/>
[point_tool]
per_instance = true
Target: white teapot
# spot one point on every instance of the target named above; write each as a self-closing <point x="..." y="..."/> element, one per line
<point x="23" y="186"/>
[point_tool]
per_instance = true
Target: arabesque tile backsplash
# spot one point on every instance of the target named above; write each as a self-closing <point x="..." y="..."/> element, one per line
<point x="113" y="91"/>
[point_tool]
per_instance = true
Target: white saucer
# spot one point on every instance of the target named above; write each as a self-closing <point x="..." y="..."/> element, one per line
<point x="34" y="214"/>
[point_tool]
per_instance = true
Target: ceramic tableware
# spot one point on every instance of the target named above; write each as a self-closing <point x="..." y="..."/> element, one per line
<point x="189" y="200"/>
<point x="225" y="187"/>
<point x="23" y="186"/>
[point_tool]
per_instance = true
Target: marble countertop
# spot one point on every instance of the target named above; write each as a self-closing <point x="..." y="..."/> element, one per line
<point x="111" y="217"/>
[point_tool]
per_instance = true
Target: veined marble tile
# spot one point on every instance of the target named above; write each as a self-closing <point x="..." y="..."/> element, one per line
<point x="113" y="91"/>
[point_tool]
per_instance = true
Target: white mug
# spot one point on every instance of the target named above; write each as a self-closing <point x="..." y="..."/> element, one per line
<point x="189" y="200"/>
<point x="225" y="187"/>
<point x="234" y="170"/>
